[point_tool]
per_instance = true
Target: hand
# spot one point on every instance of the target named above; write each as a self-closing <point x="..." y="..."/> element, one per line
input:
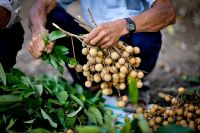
<point x="5" y="16"/>
<point x="106" y="34"/>
<point x="37" y="46"/>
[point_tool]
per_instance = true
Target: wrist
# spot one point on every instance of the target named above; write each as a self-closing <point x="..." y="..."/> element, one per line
<point x="124" y="30"/>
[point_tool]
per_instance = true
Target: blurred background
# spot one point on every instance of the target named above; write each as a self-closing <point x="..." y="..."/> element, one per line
<point x="179" y="57"/>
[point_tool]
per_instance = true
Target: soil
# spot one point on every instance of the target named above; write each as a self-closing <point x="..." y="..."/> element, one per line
<point x="180" y="54"/>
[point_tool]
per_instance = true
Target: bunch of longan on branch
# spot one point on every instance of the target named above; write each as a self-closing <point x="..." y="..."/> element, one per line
<point x="181" y="112"/>
<point x="111" y="67"/>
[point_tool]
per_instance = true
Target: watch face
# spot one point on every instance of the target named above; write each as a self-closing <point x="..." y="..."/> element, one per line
<point x="131" y="27"/>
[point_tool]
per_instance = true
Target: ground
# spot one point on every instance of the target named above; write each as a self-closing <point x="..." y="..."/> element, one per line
<point x="180" y="54"/>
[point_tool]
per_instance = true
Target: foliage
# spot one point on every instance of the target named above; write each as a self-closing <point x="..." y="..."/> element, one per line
<point x="133" y="90"/>
<point x="57" y="58"/>
<point x="31" y="104"/>
<point x="174" y="129"/>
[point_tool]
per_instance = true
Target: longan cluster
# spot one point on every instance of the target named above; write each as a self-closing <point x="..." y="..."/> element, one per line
<point x="111" y="67"/>
<point x="180" y="113"/>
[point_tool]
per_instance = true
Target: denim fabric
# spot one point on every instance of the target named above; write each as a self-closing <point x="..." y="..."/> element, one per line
<point x="11" y="41"/>
<point x="149" y="43"/>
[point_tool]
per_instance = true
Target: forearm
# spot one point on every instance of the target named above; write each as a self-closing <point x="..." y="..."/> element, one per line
<point x="158" y="17"/>
<point x="38" y="14"/>
<point x="5" y="16"/>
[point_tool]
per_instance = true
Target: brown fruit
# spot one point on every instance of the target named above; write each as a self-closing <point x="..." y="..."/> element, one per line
<point x="133" y="74"/>
<point x="98" y="67"/>
<point x="120" y="104"/>
<point x="191" y="108"/>
<point x="179" y="112"/>
<point x="145" y="115"/>
<point x="139" y="110"/>
<point x="189" y="115"/>
<point x="85" y="51"/>
<point x="124" y="69"/>
<point x="155" y="106"/>
<point x="121" y="61"/>
<point x="132" y="61"/>
<point x="124" y="98"/>
<point x="165" y="123"/>
<point x="93" y="51"/>
<point x="181" y="90"/>
<point x="170" y="119"/>
<point x="137" y="60"/>
<point x="106" y="92"/>
<point x="197" y="112"/>
<point x="122" y="86"/>
<point x="167" y="98"/>
<point x="107" y="77"/>
<point x="158" y="120"/>
<point x="115" y="55"/>
<point x="129" y="49"/>
<point x="179" y="118"/>
<point x="152" y="110"/>
<point x="139" y="84"/>
<point x="136" y="50"/>
<point x="135" y="115"/>
<point x="108" y="61"/>
<point x="69" y="131"/>
<point x="140" y="74"/>
<point x="151" y="123"/>
<point x="174" y="101"/>
<point x="183" y="122"/>
<point x="88" y="84"/>
<point x="78" y="68"/>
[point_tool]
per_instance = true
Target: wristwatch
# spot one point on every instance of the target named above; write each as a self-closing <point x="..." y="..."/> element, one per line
<point x="131" y="27"/>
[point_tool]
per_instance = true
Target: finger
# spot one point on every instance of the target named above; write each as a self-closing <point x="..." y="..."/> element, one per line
<point x="103" y="41"/>
<point x="107" y="45"/>
<point x="98" y="38"/>
<point x="50" y="47"/>
<point x="34" y="52"/>
<point x="91" y="35"/>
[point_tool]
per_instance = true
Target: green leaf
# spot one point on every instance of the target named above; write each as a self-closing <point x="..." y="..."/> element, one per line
<point x="11" y="123"/>
<point x="54" y="35"/>
<point x="88" y="129"/>
<point x="77" y="100"/>
<point x="97" y="114"/>
<point x="174" y="129"/>
<point x="28" y="92"/>
<point x="60" y="50"/>
<point x="2" y="74"/>
<point x="29" y="121"/>
<point x="126" y="128"/>
<point x="133" y="90"/>
<point x="47" y="117"/>
<point x="44" y="37"/>
<point x="142" y="123"/>
<point x="62" y="96"/>
<point x="38" y="89"/>
<point x="39" y="130"/>
<point x="70" y="121"/>
<point x="79" y="89"/>
<point x="7" y="100"/>
<point x="72" y="114"/>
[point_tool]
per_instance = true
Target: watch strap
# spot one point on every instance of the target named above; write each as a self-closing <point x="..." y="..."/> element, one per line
<point x="130" y="23"/>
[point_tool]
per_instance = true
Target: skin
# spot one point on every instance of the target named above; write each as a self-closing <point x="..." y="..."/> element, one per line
<point x="106" y="34"/>
<point x="5" y="16"/>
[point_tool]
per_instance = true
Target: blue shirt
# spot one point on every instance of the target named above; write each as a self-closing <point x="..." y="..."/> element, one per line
<point x="108" y="10"/>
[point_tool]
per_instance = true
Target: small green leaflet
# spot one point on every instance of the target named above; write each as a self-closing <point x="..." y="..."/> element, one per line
<point x="2" y="75"/>
<point x="77" y="100"/>
<point x="47" y="117"/>
<point x="97" y="114"/>
<point x="11" y="123"/>
<point x="72" y="114"/>
<point x="88" y="129"/>
<point x="133" y="90"/>
<point x="54" y="35"/>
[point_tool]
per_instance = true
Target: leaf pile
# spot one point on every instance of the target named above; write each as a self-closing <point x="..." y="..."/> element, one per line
<point x="47" y="102"/>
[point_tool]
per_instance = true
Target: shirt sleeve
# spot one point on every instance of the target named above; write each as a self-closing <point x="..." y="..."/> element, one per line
<point x="150" y="2"/>
<point x="13" y="6"/>
<point x="64" y="3"/>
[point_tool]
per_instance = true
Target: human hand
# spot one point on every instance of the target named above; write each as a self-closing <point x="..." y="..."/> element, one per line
<point x="37" y="46"/>
<point x="5" y="16"/>
<point x="106" y="34"/>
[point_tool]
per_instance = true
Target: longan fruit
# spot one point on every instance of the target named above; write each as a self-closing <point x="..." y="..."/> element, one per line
<point x="98" y="67"/>
<point x="189" y="115"/>
<point x="155" y="128"/>
<point x="115" y="77"/>
<point x="106" y="92"/>
<point x="124" y="98"/>
<point x="100" y="53"/>
<point x="171" y="113"/>
<point x="85" y="51"/>
<point x="93" y="51"/>
<point x="198" y="127"/>
<point x="145" y="115"/>
<point x="78" y="68"/>
<point x="117" y="65"/>
<point x="122" y="75"/>
<point x="132" y="61"/>
<point x="167" y="98"/>
<point x="135" y="115"/>
<point x="113" y="69"/>
<point x="181" y="90"/>
<point x="91" y="60"/>
<point x="104" y="85"/>
<point x="108" y="61"/>
<point x="125" y="54"/>
<point x="124" y="70"/>
<point x="133" y="74"/>
<point x="151" y="123"/>
<point x="170" y="119"/>
<point x="92" y="68"/>
<point x="139" y="110"/>
<point x="71" y="66"/>
<point x="122" y="86"/>
<point x="174" y="101"/>
<point x="120" y="104"/>
<point x="115" y="55"/>
<point x="107" y="77"/>
<point x="86" y="73"/>
<point x="139" y="84"/>
<point x="191" y="108"/>
<point x="152" y="111"/>
<point x="121" y="61"/>
<point x="88" y="84"/>
<point x="140" y="74"/>
<point x="129" y="49"/>
<point x="86" y="67"/>
<point x="99" y="60"/>
<point x="158" y="120"/>
<point x="97" y="78"/>
<point x="179" y="112"/>
<point x="155" y="106"/>
<point x="197" y="112"/>
<point x="69" y="131"/>
<point x="165" y="123"/>
<point x="136" y="50"/>
<point x="127" y="119"/>
<point x="183" y="122"/>
<point x="179" y="118"/>
<point x="110" y="91"/>
<point x="137" y="60"/>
